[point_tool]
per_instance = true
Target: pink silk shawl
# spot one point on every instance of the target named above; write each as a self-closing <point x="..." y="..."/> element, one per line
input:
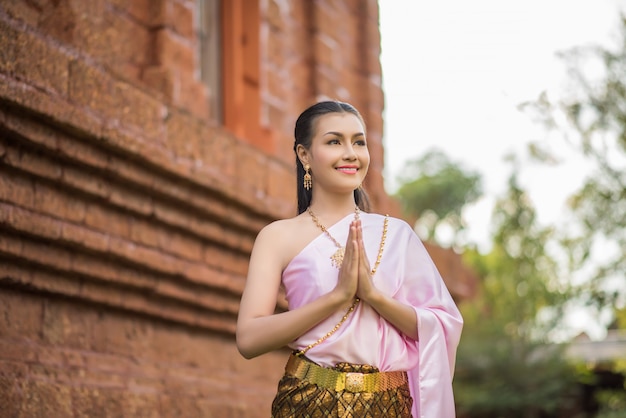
<point x="407" y="273"/>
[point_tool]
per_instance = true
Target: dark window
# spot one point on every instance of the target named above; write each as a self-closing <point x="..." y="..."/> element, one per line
<point x="210" y="54"/>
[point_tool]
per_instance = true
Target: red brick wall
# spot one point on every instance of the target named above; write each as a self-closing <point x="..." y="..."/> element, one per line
<point x="127" y="214"/>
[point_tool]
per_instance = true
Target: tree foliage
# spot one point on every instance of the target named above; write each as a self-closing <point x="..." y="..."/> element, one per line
<point x="592" y="119"/>
<point x="435" y="190"/>
<point x="504" y="367"/>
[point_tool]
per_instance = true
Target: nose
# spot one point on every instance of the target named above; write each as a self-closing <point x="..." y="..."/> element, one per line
<point x="349" y="154"/>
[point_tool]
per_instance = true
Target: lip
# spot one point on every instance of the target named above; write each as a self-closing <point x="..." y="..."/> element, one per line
<point x="348" y="169"/>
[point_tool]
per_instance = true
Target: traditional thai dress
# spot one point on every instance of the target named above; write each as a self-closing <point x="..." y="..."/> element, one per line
<point x="407" y="273"/>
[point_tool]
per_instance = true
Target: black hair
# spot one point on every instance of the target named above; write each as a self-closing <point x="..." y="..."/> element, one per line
<point x="304" y="131"/>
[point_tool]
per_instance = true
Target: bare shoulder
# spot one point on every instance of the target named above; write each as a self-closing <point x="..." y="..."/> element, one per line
<point x="287" y="237"/>
<point x="278" y="229"/>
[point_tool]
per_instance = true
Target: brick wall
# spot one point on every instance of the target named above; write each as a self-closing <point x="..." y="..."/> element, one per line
<point x="127" y="214"/>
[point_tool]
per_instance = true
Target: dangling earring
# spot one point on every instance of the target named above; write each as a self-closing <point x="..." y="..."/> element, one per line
<point x="307" y="177"/>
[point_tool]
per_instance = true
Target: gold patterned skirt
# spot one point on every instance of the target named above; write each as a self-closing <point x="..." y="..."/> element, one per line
<point x="308" y="390"/>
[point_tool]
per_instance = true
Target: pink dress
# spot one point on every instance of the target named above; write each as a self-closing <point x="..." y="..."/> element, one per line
<point x="407" y="273"/>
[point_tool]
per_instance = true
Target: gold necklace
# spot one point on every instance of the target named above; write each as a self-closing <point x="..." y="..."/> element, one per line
<point x="356" y="301"/>
<point x="337" y="258"/>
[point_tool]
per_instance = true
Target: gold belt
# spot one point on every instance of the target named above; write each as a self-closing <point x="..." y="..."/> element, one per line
<point x="331" y="379"/>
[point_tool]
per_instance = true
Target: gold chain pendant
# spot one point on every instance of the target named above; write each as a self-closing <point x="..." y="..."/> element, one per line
<point x="337" y="259"/>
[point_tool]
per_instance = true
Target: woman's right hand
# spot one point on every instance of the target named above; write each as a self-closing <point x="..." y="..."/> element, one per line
<point x="348" y="281"/>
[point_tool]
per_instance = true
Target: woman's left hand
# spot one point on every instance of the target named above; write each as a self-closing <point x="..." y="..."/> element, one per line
<point x="366" y="287"/>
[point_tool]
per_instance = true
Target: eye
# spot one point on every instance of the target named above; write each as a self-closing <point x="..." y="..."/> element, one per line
<point x="334" y="141"/>
<point x="360" y="142"/>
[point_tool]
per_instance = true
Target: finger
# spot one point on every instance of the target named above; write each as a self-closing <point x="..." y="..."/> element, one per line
<point x="363" y="261"/>
<point x="350" y="264"/>
<point x="357" y="225"/>
<point x="354" y="259"/>
<point x="350" y="250"/>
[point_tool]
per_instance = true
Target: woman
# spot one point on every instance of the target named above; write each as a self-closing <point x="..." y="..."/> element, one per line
<point x="373" y="327"/>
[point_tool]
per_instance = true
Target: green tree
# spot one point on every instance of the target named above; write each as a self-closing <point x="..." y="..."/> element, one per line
<point x="592" y="119"/>
<point x="435" y="190"/>
<point x="504" y="366"/>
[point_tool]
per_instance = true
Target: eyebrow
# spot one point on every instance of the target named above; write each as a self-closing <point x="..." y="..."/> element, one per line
<point x="341" y="135"/>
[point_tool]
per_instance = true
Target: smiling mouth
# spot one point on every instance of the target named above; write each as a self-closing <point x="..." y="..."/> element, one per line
<point x="347" y="170"/>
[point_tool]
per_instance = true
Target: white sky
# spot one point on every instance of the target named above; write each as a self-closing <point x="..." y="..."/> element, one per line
<point x="454" y="72"/>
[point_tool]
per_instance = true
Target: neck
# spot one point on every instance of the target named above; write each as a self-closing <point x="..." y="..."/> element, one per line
<point x="333" y="206"/>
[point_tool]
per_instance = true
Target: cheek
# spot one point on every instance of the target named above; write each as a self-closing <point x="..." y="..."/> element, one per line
<point x="365" y="157"/>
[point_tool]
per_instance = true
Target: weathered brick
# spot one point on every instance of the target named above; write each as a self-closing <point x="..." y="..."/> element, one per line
<point x="44" y="65"/>
<point x="175" y="52"/>
<point x="78" y="235"/>
<point x="126" y="141"/>
<point x="138" y="109"/>
<point x="11" y="388"/>
<point x="98" y="402"/>
<point x="16" y="352"/>
<point x="223" y="146"/>
<point x="102" y="293"/>
<point x="82" y="152"/>
<point x="113" y="38"/>
<point x="89" y="266"/>
<point x="209" y="151"/>
<point x="251" y="168"/>
<point x="180" y="16"/>
<point x="30" y="131"/>
<point x="142" y="10"/>
<point x="281" y="181"/>
<point x="184" y="246"/>
<point x="39" y="164"/>
<point x="116" y="334"/>
<point x="55" y="283"/>
<point x="135" y="278"/>
<point x="327" y="20"/>
<point x="146" y="256"/>
<point x="91" y="88"/>
<point x="21" y="315"/>
<point x="53" y="107"/>
<point x="144" y="232"/>
<point x="212" y="256"/>
<point x="278" y="85"/>
<point x="162" y="79"/>
<point x="27" y="12"/>
<point x="60" y="205"/>
<point x="84" y="181"/>
<point x="34" y="224"/>
<point x="141" y="403"/>
<point x="107" y="220"/>
<point x="184" y="134"/>
<point x="132" y="173"/>
<point x="46" y="399"/>
<point x="171" y="215"/>
<point x="194" y="96"/>
<point x="16" y="189"/>
<point x="131" y="200"/>
<point x="276" y="14"/>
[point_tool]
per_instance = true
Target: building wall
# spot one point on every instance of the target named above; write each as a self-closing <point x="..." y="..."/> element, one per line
<point x="127" y="213"/>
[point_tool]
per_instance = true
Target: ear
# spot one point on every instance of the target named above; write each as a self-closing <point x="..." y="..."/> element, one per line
<point x="303" y="154"/>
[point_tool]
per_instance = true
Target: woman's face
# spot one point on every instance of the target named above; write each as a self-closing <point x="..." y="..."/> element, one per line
<point x="338" y="156"/>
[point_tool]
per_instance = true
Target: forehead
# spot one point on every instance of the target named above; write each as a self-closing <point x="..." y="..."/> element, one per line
<point x="345" y="123"/>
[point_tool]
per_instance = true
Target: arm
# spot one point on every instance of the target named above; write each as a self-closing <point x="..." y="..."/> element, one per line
<point x="397" y="313"/>
<point x="259" y="330"/>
